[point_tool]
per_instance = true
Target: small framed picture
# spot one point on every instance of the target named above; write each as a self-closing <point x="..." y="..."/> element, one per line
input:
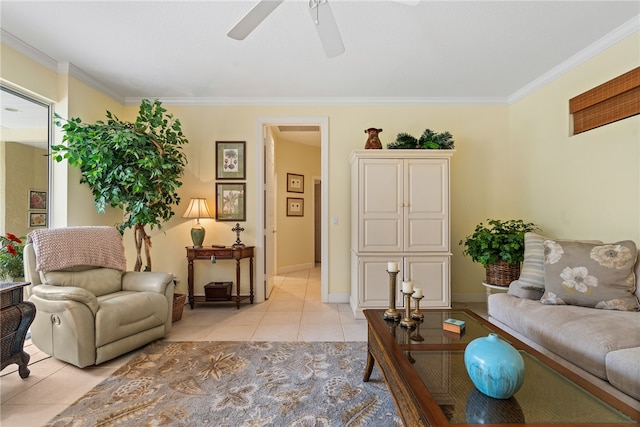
<point x="37" y="199"/>
<point x="295" y="206"/>
<point x="295" y="183"/>
<point x="230" y="202"/>
<point x="230" y="160"/>
<point x="37" y="219"/>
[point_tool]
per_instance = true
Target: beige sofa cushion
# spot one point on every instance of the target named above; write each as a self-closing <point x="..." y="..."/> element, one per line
<point x="98" y="281"/>
<point x="530" y="284"/>
<point x="590" y="274"/>
<point x="623" y="370"/>
<point x="581" y="335"/>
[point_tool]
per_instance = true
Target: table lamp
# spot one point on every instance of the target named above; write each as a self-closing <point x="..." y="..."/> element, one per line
<point x="197" y="209"/>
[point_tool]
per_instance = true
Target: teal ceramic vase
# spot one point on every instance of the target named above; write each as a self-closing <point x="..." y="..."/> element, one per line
<point x="494" y="366"/>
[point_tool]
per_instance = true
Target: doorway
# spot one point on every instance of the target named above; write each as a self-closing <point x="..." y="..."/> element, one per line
<point x="24" y="161"/>
<point x="265" y="268"/>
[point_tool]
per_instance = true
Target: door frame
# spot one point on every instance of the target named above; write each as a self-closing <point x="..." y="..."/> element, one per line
<point x="323" y="122"/>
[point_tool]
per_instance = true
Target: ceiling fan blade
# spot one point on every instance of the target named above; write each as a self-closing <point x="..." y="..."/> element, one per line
<point x="327" y="28"/>
<point x="252" y="19"/>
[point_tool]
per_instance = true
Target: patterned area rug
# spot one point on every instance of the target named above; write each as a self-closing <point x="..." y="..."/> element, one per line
<point x="239" y="384"/>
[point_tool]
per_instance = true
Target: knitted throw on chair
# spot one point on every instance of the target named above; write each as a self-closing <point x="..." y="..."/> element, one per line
<point x="60" y="248"/>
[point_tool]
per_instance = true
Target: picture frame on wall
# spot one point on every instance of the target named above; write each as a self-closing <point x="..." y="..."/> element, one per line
<point x="37" y="199"/>
<point x="230" y="160"/>
<point x="295" y="183"/>
<point x="230" y="202"/>
<point x="295" y="206"/>
<point x="37" y="219"/>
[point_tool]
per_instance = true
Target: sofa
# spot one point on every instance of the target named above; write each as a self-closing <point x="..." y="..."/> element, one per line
<point x="584" y="313"/>
<point x="88" y="308"/>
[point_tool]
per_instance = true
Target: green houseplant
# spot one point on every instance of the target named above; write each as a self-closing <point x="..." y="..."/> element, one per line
<point x="499" y="247"/>
<point x="131" y="166"/>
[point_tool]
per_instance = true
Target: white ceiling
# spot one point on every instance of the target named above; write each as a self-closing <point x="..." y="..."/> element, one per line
<point x="432" y="52"/>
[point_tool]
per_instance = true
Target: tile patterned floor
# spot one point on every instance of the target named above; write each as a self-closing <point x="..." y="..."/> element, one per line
<point x="294" y="312"/>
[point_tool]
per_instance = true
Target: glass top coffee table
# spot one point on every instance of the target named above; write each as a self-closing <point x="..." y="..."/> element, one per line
<point x="424" y="370"/>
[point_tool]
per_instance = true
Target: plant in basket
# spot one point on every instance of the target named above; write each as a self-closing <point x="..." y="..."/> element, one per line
<point x="499" y="247"/>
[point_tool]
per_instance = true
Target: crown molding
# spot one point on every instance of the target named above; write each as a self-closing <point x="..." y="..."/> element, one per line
<point x="28" y="50"/>
<point x="88" y="79"/>
<point x="398" y="101"/>
<point x="625" y="30"/>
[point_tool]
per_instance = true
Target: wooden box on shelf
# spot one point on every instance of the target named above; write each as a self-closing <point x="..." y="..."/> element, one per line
<point x="218" y="291"/>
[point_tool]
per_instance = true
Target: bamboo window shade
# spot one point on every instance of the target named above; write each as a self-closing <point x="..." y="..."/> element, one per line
<point x="614" y="100"/>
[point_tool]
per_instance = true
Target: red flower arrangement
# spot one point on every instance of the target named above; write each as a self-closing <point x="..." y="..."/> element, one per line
<point x="11" y="264"/>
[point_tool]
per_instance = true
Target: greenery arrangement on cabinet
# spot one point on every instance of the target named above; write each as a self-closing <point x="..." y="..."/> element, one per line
<point x="429" y="140"/>
<point x="497" y="241"/>
<point x="135" y="166"/>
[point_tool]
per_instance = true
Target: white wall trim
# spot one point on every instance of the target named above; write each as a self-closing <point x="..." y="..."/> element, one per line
<point x="323" y="121"/>
<point x="72" y="70"/>
<point x="222" y="101"/>
<point x="28" y="51"/>
<point x="620" y="33"/>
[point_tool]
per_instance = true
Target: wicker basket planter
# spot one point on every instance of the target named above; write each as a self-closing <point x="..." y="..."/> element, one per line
<point x="178" y="306"/>
<point x="502" y="273"/>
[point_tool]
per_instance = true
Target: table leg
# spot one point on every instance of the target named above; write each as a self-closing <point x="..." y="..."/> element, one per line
<point x="369" y="368"/>
<point x="190" y="283"/>
<point x="251" y="279"/>
<point x="238" y="283"/>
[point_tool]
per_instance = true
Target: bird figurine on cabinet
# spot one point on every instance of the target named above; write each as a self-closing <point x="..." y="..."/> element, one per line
<point x="373" y="142"/>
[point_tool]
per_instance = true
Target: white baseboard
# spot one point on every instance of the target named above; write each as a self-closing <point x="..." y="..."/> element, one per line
<point x="338" y="298"/>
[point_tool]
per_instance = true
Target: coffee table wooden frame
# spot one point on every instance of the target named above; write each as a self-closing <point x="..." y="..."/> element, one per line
<point x="413" y="400"/>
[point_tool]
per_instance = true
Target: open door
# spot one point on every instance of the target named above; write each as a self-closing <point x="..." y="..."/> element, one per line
<point x="270" y="230"/>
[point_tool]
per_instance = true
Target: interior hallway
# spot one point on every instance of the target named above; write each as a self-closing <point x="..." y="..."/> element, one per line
<point x="293" y="313"/>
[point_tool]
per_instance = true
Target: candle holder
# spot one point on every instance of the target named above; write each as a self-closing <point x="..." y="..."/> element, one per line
<point x="392" y="313"/>
<point x="407" y="322"/>
<point x="417" y="314"/>
<point x="416" y="335"/>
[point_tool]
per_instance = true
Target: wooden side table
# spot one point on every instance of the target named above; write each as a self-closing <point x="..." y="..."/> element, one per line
<point x="16" y="316"/>
<point x="205" y="253"/>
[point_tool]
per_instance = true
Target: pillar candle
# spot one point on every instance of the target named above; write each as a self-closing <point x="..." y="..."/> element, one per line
<point x="392" y="266"/>
<point x="407" y="287"/>
<point x="417" y="293"/>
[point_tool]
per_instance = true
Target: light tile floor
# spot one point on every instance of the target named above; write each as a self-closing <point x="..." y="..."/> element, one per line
<point x="294" y="312"/>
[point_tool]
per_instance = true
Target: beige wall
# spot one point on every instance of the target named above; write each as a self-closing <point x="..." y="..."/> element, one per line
<point x="584" y="186"/>
<point x="510" y="162"/>
<point x="295" y="234"/>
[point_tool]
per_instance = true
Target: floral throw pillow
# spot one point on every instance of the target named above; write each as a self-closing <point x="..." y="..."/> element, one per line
<point x="594" y="275"/>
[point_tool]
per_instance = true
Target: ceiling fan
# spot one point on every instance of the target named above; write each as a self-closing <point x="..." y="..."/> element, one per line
<point x="321" y="15"/>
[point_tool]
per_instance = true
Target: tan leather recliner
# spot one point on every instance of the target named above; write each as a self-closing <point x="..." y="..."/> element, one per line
<point x="87" y="315"/>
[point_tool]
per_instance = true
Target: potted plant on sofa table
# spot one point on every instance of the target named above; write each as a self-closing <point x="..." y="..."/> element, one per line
<point x="499" y="247"/>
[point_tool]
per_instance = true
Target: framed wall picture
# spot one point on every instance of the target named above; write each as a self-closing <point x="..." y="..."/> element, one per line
<point x="37" y="219"/>
<point x="295" y="206"/>
<point x="230" y="202"/>
<point x="295" y="183"/>
<point x="37" y="199"/>
<point x="230" y="160"/>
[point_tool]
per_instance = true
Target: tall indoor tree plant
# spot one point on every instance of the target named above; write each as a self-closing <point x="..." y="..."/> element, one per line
<point x="135" y="166"/>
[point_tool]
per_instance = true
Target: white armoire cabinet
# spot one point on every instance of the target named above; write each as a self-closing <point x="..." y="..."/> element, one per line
<point x="400" y="212"/>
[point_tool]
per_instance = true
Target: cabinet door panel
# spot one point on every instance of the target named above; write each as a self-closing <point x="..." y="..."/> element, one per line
<point x="375" y="283"/>
<point x="380" y="200"/>
<point x="426" y="190"/>
<point x="431" y="274"/>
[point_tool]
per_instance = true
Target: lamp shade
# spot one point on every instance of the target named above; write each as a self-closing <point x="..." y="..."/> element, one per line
<point x="197" y="209"/>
